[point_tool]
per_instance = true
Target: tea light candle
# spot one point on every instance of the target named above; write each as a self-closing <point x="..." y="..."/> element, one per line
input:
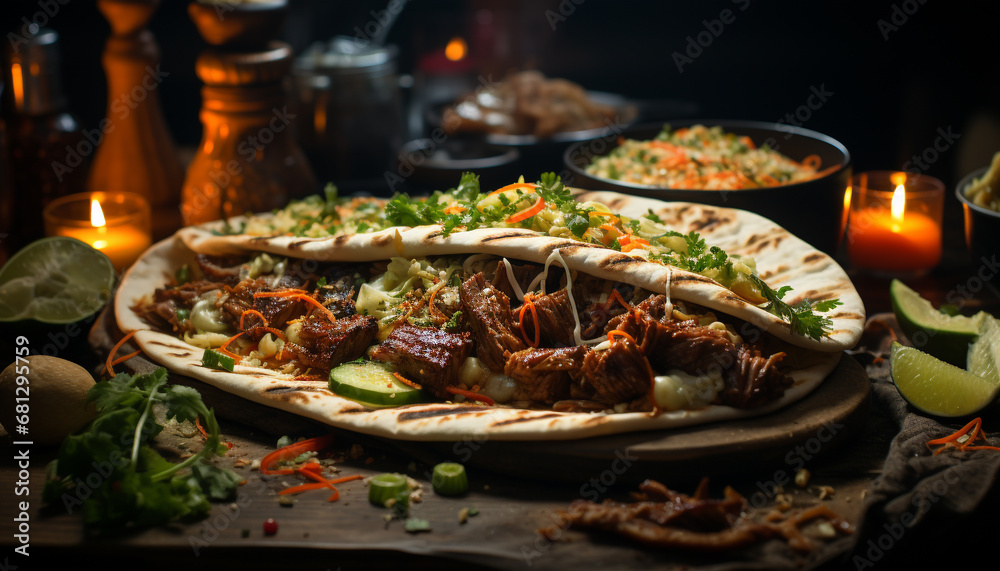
<point x="894" y="223"/>
<point x="116" y="223"/>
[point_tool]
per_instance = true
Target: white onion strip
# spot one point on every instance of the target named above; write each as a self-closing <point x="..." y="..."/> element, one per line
<point x="513" y="282"/>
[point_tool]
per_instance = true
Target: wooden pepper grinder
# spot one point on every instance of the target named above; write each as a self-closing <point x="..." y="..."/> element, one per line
<point x="137" y="153"/>
<point x="248" y="159"/>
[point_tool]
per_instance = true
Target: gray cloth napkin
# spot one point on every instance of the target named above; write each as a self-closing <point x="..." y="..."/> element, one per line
<point x="925" y="510"/>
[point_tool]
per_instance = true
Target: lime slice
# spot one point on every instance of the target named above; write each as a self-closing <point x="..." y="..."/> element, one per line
<point x="935" y="387"/>
<point x="55" y="280"/>
<point x="944" y="336"/>
<point x="984" y="354"/>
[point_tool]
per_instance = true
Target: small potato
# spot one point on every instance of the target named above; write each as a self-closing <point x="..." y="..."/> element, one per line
<point x="56" y="393"/>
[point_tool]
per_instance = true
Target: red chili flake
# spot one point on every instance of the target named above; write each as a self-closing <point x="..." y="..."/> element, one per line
<point x="270" y="526"/>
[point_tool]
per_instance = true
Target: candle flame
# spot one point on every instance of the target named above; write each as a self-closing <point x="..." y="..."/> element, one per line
<point x="456" y="49"/>
<point x="898" y="178"/>
<point x="898" y="207"/>
<point x="17" y="84"/>
<point x="96" y="214"/>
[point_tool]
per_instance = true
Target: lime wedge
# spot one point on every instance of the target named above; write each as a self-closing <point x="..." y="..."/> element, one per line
<point x="55" y="280"/>
<point x="984" y="354"/>
<point x="944" y="336"/>
<point x="937" y="388"/>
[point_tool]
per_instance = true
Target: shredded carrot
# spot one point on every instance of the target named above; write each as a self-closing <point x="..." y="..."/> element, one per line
<point x="615" y="295"/>
<point x="812" y="162"/>
<point x="454" y="209"/>
<point x="222" y="348"/>
<point x="300" y="295"/>
<point x="109" y="363"/>
<point x="634" y="243"/>
<point x="124" y="358"/>
<point x="430" y="302"/>
<point x="619" y="333"/>
<point x="303" y="488"/>
<point x="527" y="212"/>
<point x="282" y="293"/>
<point x="952" y="440"/>
<point x="514" y="186"/>
<point x="291" y="451"/>
<point x="534" y="317"/>
<point x="471" y="395"/>
<point x="263" y="320"/>
<point x="406" y="381"/>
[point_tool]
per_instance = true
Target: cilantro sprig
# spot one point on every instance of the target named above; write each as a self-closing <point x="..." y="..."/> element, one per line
<point x="129" y="483"/>
<point x="802" y="317"/>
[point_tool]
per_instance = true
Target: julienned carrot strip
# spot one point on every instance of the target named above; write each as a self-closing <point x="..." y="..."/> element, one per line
<point x="303" y="488"/>
<point x="812" y="161"/>
<point x="263" y="320"/>
<point x="124" y="358"/>
<point x="617" y="296"/>
<point x="406" y="381"/>
<point x="619" y="333"/>
<point x="430" y="302"/>
<point x="471" y="395"/>
<point x="222" y="348"/>
<point x="454" y="209"/>
<point x="109" y="363"/>
<point x="514" y="186"/>
<point x="527" y="212"/>
<point x="975" y="425"/>
<point x="300" y="295"/>
<point x="528" y="304"/>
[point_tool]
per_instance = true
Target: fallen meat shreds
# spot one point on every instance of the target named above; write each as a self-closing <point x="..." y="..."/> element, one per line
<point x="543" y="375"/>
<point x="754" y="380"/>
<point x="491" y="322"/>
<point x="664" y="518"/>
<point x="426" y="355"/>
<point x="324" y="344"/>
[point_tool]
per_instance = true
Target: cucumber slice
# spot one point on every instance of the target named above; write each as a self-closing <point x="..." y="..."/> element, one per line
<point x="372" y="384"/>
<point x="385" y="487"/>
<point x="215" y="360"/>
<point x="449" y="479"/>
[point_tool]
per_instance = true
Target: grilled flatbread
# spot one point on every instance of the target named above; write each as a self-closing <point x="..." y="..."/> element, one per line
<point x="782" y="259"/>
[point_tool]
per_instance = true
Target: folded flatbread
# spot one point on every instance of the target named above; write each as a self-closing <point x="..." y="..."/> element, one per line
<point x="781" y="259"/>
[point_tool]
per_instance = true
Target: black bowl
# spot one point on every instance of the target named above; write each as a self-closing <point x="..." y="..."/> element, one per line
<point x="812" y="210"/>
<point x="982" y="225"/>
<point x="425" y="165"/>
<point x="539" y="155"/>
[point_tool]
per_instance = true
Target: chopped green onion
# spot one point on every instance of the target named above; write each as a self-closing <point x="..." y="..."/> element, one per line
<point x="385" y="487"/>
<point x="215" y="360"/>
<point x="449" y="479"/>
<point x="183" y="275"/>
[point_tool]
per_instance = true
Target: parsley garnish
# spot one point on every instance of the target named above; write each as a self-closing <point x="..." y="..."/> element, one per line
<point x="139" y="487"/>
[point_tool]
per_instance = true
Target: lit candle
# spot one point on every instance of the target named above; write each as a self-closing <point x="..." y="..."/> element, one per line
<point x="901" y="236"/>
<point x="117" y="224"/>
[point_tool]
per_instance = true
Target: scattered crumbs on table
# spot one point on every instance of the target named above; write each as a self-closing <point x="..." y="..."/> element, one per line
<point x="463" y="515"/>
<point x="286" y="502"/>
<point x="826" y="492"/>
<point x="802" y="478"/>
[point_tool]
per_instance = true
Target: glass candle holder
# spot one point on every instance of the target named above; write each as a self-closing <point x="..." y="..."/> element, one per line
<point x="116" y="223"/>
<point x="894" y="225"/>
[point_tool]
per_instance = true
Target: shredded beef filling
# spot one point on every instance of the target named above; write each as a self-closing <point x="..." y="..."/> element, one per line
<point x="490" y="321"/>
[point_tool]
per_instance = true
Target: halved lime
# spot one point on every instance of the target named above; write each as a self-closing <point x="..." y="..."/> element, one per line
<point x="935" y="387"/>
<point x="984" y="354"/>
<point x="55" y="280"/>
<point x="944" y="336"/>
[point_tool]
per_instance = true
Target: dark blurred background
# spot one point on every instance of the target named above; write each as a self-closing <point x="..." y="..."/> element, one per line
<point x="896" y="74"/>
